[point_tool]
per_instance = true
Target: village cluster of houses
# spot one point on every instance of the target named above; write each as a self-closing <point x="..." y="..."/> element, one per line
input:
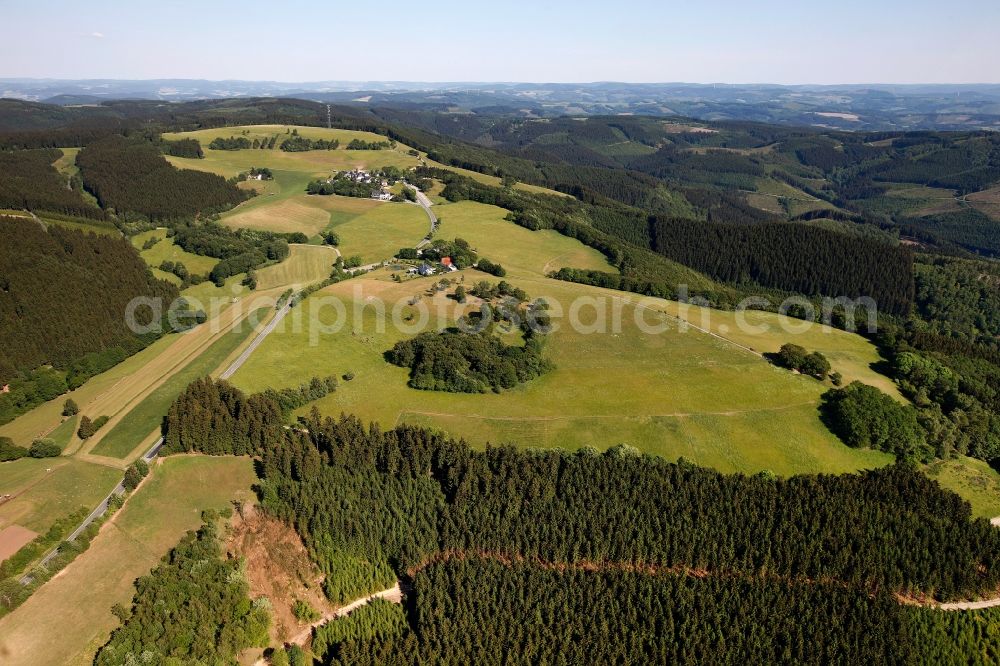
<point x="445" y="266"/>
<point x="362" y="176"/>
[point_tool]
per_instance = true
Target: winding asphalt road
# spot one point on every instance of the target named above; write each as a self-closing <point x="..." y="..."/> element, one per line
<point x="426" y="204"/>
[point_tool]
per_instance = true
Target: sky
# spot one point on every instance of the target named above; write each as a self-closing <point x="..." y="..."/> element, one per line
<point x="701" y="41"/>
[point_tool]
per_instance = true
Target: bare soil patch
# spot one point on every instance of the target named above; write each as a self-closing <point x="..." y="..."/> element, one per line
<point x="279" y="568"/>
<point x="12" y="538"/>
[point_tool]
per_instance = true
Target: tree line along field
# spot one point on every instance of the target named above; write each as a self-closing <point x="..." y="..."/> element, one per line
<point x="282" y="204"/>
<point x="676" y="394"/>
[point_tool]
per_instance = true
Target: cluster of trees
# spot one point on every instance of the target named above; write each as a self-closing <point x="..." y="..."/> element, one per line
<point x="964" y="229"/>
<point x="792" y="257"/>
<point x="461" y="362"/>
<point x="175" y="268"/>
<point x="63" y="297"/>
<point x="298" y="144"/>
<point x="863" y="416"/>
<point x="795" y="357"/>
<point x="232" y="143"/>
<point x="216" y="418"/>
<point x="194" y="607"/>
<point x="378" y="620"/>
<point x="134" y="179"/>
<point x="461" y="253"/>
<point x="238" y="251"/>
<point x="567" y="538"/>
<point x="29" y="181"/>
<point x="487" y="266"/>
<point x="361" y="144"/>
<point x="241" y="143"/>
<point x="290" y="399"/>
<point x="631" y="617"/>
<point x="966" y="166"/>
<point x="134" y="474"/>
<point x="959" y="297"/>
<point x="190" y="148"/>
<point x="40" y="448"/>
<point x="88" y="428"/>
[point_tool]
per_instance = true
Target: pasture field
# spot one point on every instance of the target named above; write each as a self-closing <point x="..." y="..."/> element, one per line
<point x="282" y="214"/>
<point x="67" y="620"/>
<point x="305" y="265"/>
<point x="66" y="165"/>
<point x="491" y="180"/>
<point x="379" y="233"/>
<point x="136" y="427"/>
<point x="914" y="200"/>
<point x="41" y="497"/>
<point x="764" y="332"/>
<point x="973" y="479"/>
<point x="80" y="224"/>
<point x="63" y="433"/>
<point x="297" y="211"/>
<point x="165" y="250"/>
<point x="313" y="163"/>
<point x="676" y="393"/>
<point x="520" y="251"/>
<point x="986" y="202"/>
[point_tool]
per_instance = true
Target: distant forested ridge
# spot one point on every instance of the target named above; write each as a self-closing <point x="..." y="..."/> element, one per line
<point x="63" y="298"/>
<point x="791" y="257"/>
<point x="134" y="179"/>
<point x="29" y="181"/>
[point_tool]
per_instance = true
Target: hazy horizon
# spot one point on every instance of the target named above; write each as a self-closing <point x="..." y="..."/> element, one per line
<point x="775" y="42"/>
<point x="498" y="82"/>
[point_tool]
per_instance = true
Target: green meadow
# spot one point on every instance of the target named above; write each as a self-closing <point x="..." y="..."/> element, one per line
<point x="137" y="425"/>
<point x="166" y="250"/>
<point x="675" y="393"/>
<point x="45" y="490"/>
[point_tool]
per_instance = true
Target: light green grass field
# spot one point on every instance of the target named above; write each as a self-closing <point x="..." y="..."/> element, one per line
<point x="167" y="505"/>
<point x="973" y="479"/>
<point x="137" y="425"/>
<point x="675" y="394"/>
<point x="305" y="265"/>
<point x="66" y="165"/>
<point x="520" y="251"/>
<point x="764" y="332"/>
<point x="165" y="250"/>
<point x="379" y="233"/>
<point x="41" y="498"/>
<point x="313" y="163"/>
<point x="64" y="432"/>
<point x="290" y="211"/>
